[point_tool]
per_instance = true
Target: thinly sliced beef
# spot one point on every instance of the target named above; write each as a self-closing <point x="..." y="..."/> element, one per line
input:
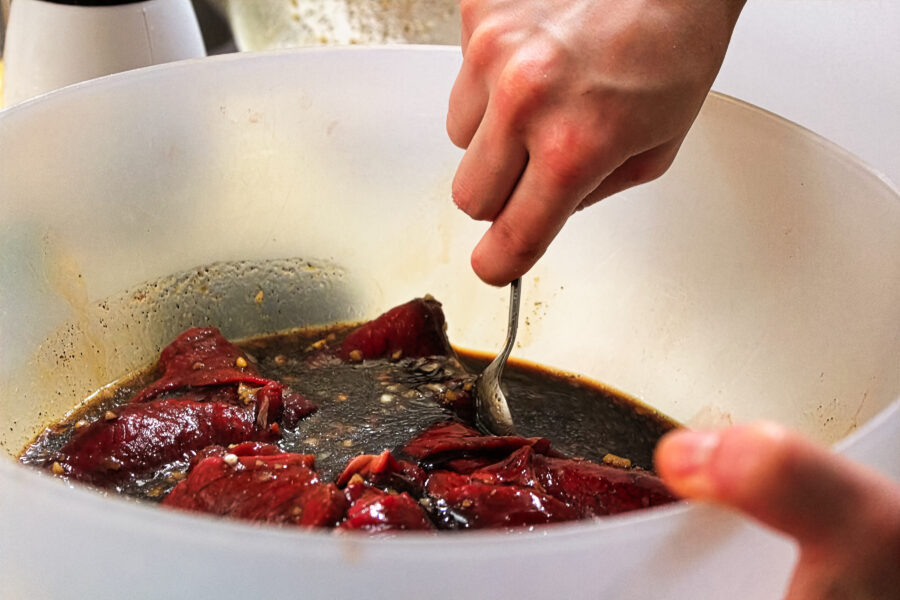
<point x="201" y="358"/>
<point x="383" y="470"/>
<point x="239" y="449"/>
<point x="516" y="469"/>
<point x="440" y="483"/>
<point x="593" y="490"/>
<point x="410" y="330"/>
<point x="464" y="502"/>
<point x="597" y="490"/>
<point x="453" y="440"/>
<point x="138" y="439"/>
<point x="376" y="511"/>
<point x="295" y="406"/>
<point x="479" y="505"/>
<point x="525" y="483"/>
<point x="273" y="488"/>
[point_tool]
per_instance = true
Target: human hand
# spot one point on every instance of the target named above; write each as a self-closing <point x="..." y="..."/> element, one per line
<point x="560" y="103"/>
<point x="845" y="517"/>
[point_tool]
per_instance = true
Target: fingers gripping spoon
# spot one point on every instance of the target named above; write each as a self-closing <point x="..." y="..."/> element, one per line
<point x="492" y="411"/>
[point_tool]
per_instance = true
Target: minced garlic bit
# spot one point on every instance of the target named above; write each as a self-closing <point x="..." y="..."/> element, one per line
<point x="240" y="362"/>
<point x="616" y="461"/>
<point x="280" y="359"/>
<point x="80" y="423"/>
<point x="387" y="398"/>
<point x="57" y="468"/>
<point x="397" y="355"/>
<point x="260" y="296"/>
<point x="357" y="478"/>
<point x="356" y="356"/>
<point x="347" y="443"/>
<point x="230" y="459"/>
<point x="317" y="345"/>
<point x="341" y="397"/>
<point x="246" y="393"/>
<point x="110" y="416"/>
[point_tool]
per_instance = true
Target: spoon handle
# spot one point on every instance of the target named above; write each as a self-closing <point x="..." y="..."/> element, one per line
<point x="492" y="411"/>
<point x="515" y="295"/>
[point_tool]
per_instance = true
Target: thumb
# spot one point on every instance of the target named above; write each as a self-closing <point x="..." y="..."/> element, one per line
<point x="783" y="480"/>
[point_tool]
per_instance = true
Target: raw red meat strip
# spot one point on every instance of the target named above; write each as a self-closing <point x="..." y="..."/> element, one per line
<point x="410" y="330"/>
<point x="597" y="490"/>
<point x="479" y="505"/>
<point x="274" y="488"/>
<point x="517" y="469"/>
<point x="455" y="440"/>
<point x="439" y="483"/>
<point x="528" y="489"/>
<point x="199" y="357"/>
<point x="202" y="358"/>
<point x="376" y="511"/>
<point x="586" y="489"/>
<point x="138" y="439"/>
<point x="384" y="470"/>
<point x="591" y="489"/>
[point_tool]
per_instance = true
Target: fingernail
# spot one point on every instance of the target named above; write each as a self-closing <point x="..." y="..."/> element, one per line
<point x="684" y="459"/>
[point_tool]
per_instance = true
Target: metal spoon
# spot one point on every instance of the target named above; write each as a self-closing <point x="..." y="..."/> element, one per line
<point x="491" y="411"/>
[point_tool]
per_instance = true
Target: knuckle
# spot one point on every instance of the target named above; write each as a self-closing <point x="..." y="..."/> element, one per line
<point x="485" y="43"/>
<point x="568" y="154"/>
<point x="526" y="85"/>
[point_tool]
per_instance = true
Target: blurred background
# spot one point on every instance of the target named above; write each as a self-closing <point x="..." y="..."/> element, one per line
<point x="829" y="65"/>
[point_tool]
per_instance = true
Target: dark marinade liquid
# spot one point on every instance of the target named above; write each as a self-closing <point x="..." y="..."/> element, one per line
<point x="380" y="404"/>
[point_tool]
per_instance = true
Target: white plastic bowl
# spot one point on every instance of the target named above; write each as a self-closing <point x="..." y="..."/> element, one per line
<point x="759" y="278"/>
